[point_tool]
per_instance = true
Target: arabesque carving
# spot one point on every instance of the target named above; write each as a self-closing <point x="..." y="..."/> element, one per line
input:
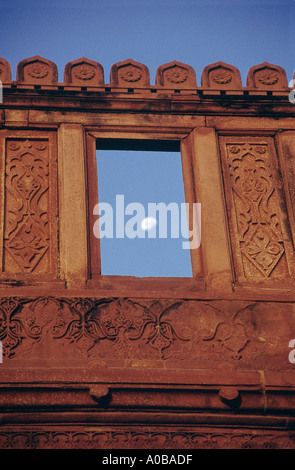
<point x="26" y="236"/>
<point x="256" y="218"/>
<point x="90" y="328"/>
<point x="95" y="361"/>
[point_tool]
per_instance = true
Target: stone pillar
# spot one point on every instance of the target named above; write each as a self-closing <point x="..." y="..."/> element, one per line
<point x="72" y="201"/>
<point x="207" y="175"/>
<point x="286" y="151"/>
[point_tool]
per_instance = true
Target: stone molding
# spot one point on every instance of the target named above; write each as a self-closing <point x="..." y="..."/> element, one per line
<point x="143" y="438"/>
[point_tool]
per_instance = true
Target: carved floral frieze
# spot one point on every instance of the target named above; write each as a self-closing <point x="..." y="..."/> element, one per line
<point x="89" y="328"/>
<point x="144" y="438"/>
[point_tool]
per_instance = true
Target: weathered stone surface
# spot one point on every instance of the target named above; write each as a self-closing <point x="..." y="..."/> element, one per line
<point x="257" y="211"/>
<point x="37" y="70"/>
<point x="267" y="77"/>
<point x="5" y="71"/>
<point x="130" y="73"/>
<point x="221" y="75"/>
<point x="144" y="438"/>
<point x="121" y="362"/>
<point x="84" y="72"/>
<point x="197" y="334"/>
<point x="29" y="202"/>
<point x="176" y="75"/>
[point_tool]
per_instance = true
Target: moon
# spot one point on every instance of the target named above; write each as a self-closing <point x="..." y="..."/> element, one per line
<point x="148" y="223"/>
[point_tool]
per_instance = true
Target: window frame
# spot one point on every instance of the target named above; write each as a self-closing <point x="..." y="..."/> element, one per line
<point x="95" y="278"/>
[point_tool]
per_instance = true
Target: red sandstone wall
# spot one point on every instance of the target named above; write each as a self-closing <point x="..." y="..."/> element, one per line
<point x="104" y="362"/>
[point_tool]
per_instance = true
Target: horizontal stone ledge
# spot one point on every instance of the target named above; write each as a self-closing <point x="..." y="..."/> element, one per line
<point x="159" y="418"/>
<point x="120" y="397"/>
<point x="153" y="91"/>
<point x="98" y="373"/>
<point x="117" y="397"/>
<point x="31" y="291"/>
<point x="87" y="109"/>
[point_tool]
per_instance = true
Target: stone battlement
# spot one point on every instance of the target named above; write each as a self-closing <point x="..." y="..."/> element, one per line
<point x="87" y="74"/>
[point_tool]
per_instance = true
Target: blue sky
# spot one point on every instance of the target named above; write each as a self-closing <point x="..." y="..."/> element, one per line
<point x="197" y="32"/>
<point x="144" y="178"/>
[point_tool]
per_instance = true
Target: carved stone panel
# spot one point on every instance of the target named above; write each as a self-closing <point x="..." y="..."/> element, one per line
<point x="142" y="437"/>
<point x="187" y="334"/>
<point x="84" y="72"/>
<point x="221" y="75"/>
<point x="30" y="207"/>
<point x="267" y="77"/>
<point x="37" y="71"/>
<point x="131" y="74"/>
<point x="5" y="71"/>
<point x="256" y="210"/>
<point x="176" y="75"/>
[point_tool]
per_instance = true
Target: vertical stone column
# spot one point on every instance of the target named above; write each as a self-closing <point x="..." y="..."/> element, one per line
<point x="209" y="192"/>
<point x="72" y="201"/>
<point x="286" y="151"/>
<point x="2" y="198"/>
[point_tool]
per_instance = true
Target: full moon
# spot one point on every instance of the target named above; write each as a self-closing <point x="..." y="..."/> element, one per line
<point x="148" y="223"/>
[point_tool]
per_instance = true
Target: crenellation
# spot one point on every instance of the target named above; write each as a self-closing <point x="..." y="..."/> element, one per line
<point x="175" y="75"/>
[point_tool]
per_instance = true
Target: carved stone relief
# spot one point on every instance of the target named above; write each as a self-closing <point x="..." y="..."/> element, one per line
<point x="37" y="71"/>
<point x="176" y="75"/>
<point x="221" y="75"/>
<point x="5" y="71"/>
<point x="28" y="206"/>
<point x="84" y="72"/>
<point x="80" y="329"/>
<point x="144" y="438"/>
<point x="254" y="206"/>
<point x="267" y="76"/>
<point x="130" y="73"/>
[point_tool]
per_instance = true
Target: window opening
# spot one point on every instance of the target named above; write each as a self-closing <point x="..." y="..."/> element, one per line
<point x="142" y="219"/>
